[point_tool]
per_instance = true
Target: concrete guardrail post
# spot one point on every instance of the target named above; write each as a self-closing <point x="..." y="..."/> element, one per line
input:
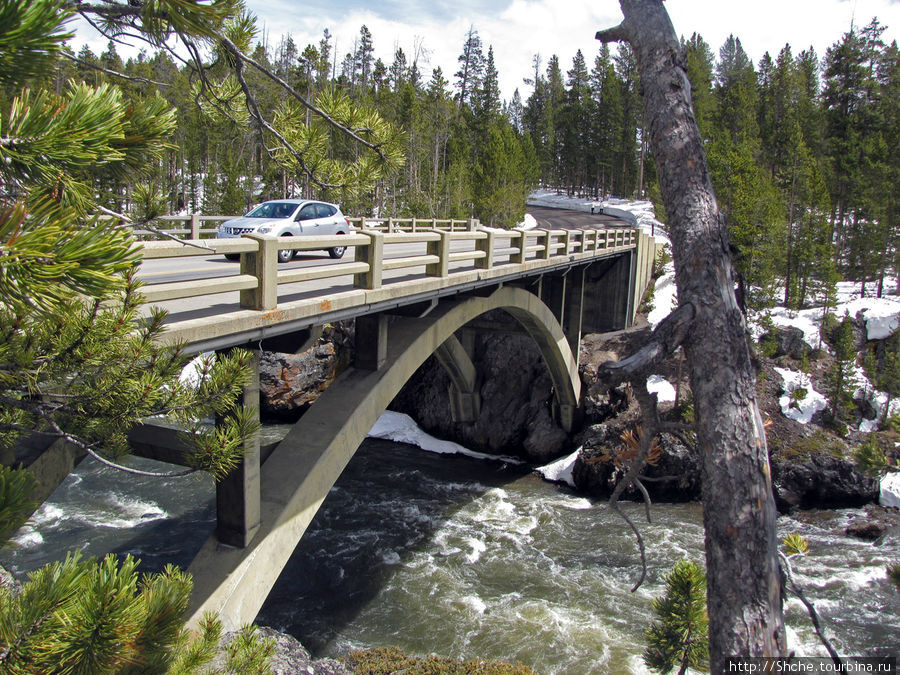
<point x="520" y="255"/>
<point x="486" y="245"/>
<point x="548" y="240"/>
<point x="372" y="254"/>
<point x="195" y="226"/>
<point x="440" y="248"/>
<point x="262" y="264"/>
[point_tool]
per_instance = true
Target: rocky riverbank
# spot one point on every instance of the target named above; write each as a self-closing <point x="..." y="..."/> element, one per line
<point x="812" y="467"/>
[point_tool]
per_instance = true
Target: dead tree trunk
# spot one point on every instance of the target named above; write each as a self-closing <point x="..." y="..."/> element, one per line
<point x="744" y="583"/>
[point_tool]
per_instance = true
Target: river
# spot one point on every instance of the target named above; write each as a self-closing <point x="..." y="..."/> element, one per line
<point x="465" y="558"/>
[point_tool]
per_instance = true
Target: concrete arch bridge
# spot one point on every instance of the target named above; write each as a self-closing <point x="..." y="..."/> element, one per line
<point x="412" y="294"/>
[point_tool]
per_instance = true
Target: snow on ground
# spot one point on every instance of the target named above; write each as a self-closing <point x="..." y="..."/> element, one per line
<point x="805" y="408"/>
<point x="656" y="384"/>
<point x="560" y="471"/>
<point x="528" y="224"/>
<point x="665" y="296"/>
<point x="394" y="426"/>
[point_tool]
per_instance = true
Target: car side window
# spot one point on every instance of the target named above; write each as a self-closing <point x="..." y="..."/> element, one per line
<point x="308" y="212"/>
<point x="324" y="210"/>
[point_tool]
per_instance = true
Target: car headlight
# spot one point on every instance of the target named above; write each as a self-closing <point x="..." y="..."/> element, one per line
<point x="264" y="230"/>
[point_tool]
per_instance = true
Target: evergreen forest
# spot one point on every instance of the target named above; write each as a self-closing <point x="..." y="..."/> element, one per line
<point x="801" y="146"/>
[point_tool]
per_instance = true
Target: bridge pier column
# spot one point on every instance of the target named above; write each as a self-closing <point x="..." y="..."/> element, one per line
<point x="465" y="399"/>
<point x="371" y="341"/>
<point x="238" y="494"/>
<point x="553" y="293"/>
<point x="574" y="313"/>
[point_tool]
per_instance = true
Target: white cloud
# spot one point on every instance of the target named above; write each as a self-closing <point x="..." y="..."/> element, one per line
<point x="518" y="29"/>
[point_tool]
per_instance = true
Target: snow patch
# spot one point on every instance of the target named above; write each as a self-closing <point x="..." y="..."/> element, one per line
<point x="191" y="373"/>
<point x="665" y="296"/>
<point x="890" y="490"/>
<point x="528" y="224"/>
<point x="803" y="410"/>
<point x="394" y="426"/>
<point x="656" y="384"/>
<point x="560" y="471"/>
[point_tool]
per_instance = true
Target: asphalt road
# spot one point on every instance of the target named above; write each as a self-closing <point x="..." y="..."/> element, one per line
<point x="569" y="220"/>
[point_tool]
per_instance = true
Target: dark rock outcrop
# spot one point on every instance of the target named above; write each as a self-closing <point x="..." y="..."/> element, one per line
<point x="674" y="478"/>
<point x="516" y="401"/>
<point x="820" y="481"/>
<point x="289" y="383"/>
<point x="787" y="341"/>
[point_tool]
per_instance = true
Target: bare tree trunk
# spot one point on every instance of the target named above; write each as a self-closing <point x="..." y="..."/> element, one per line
<point x="744" y="582"/>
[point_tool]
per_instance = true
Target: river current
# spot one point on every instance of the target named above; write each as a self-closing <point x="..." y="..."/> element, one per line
<point x="466" y="558"/>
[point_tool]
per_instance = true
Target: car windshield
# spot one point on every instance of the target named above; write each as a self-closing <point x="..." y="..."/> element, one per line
<point x="273" y="210"/>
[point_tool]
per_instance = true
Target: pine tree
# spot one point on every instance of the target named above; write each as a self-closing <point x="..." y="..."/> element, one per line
<point x="471" y="67"/>
<point x="679" y="636"/>
<point x="840" y="395"/>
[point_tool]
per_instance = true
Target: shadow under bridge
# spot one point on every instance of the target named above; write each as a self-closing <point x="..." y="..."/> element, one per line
<point x="297" y="476"/>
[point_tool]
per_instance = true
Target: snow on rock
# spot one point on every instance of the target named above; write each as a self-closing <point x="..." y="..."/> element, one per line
<point x="560" y="471"/>
<point x="394" y="426"/>
<point x="882" y="315"/>
<point x="812" y="403"/>
<point x="656" y="384"/>
<point x="807" y="320"/>
<point x="665" y="296"/>
<point x="890" y="490"/>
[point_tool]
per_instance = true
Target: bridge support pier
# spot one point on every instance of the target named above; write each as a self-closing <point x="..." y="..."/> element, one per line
<point x="238" y="494"/>
<point x="371" y="341"/>
<point x="465" y="399"/>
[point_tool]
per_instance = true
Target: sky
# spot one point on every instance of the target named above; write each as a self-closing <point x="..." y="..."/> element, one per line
<point x="519" y="29"/>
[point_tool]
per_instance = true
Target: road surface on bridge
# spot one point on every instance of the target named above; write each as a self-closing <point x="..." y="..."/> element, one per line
<point x="167" y="270"/>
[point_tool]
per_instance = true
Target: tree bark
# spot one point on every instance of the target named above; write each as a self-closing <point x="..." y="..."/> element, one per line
<point x="744" y="582"/>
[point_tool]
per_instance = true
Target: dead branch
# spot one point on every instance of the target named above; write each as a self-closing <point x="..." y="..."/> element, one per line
<point x="155" y="230"/>
<point x="666" y="338"/>
<point x="810" y="608"/>
<point x="113" y="73"/>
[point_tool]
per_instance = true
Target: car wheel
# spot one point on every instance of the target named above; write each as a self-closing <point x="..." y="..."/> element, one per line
<point x="232" y="256"/>
<point x="337" y="251"/>
<point x="286" y="255"/>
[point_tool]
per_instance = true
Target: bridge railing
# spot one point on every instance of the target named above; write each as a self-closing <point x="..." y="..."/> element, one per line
<point x="434" y="253"/>
<point x="195" y="226"/>
<point x="414" y="224"/>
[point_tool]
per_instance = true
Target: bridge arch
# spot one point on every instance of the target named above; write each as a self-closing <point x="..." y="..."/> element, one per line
<point x="298" y="475"/>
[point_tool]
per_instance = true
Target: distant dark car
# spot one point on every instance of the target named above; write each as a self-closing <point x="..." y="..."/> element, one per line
<point x="289" y="218"/>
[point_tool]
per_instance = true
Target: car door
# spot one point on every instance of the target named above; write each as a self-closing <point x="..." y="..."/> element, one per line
<point x="306" y="219"/>
<point x="325" y="219"/>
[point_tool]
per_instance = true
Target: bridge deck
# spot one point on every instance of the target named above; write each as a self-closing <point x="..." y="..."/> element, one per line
<point x="234" y="304"/>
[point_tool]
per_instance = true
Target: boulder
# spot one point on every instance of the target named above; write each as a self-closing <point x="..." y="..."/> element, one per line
<point x="289" y="383"/>
<point x="788" y="341"/>
<point x="674" y="478"/>
<point x="290" y="657"/>
<point x="876" y="524"/>
<point x="820" y="480"/>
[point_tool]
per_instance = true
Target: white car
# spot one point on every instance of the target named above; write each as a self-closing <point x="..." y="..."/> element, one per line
<point x="289" y="218"/>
